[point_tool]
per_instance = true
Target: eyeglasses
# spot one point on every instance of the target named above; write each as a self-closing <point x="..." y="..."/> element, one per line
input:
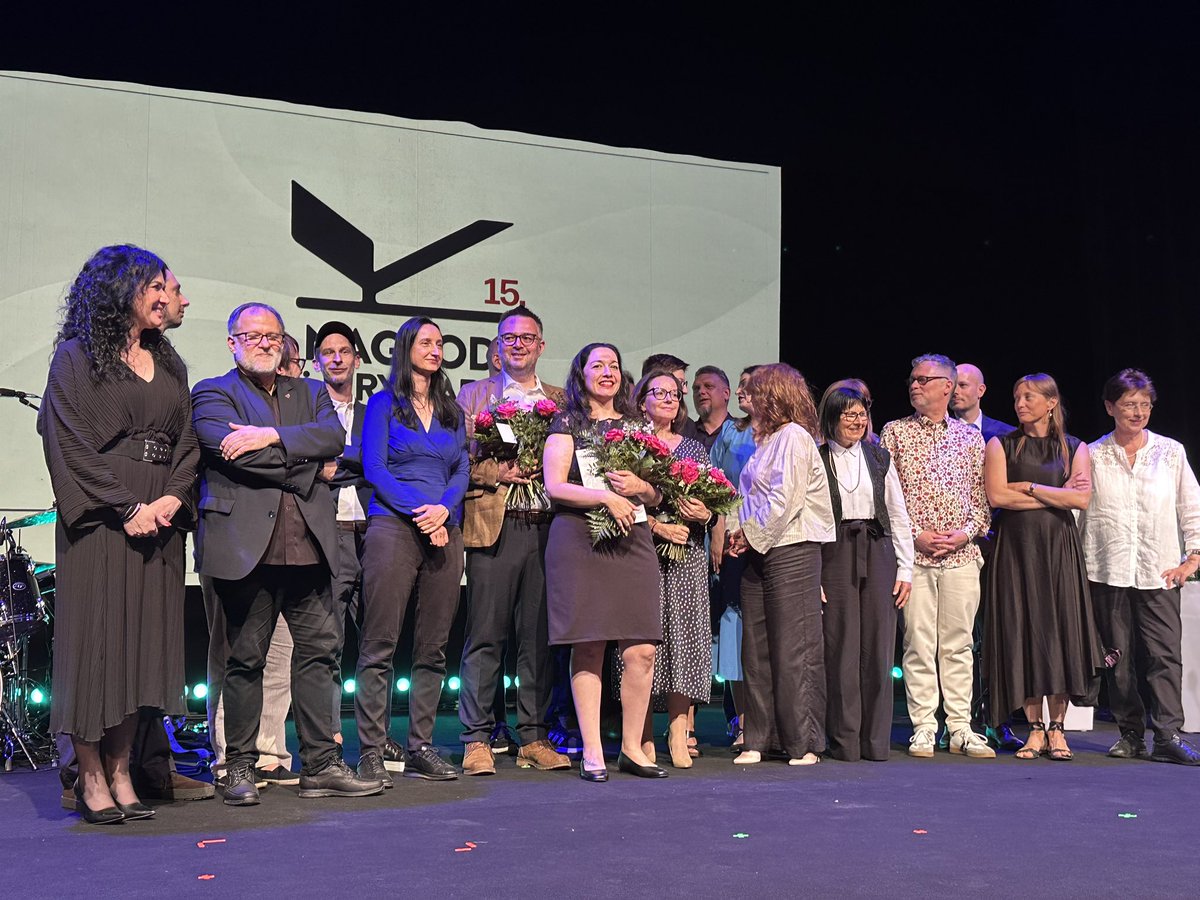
<point x="923" y="380"/>
<point x="858" y="416"/>
<point x="250" y="338"/>
<point x="510" y="338"/>
<point x="1130" y="406"/>
<point x="301" y="361"/>
<point x="664" y="394"/>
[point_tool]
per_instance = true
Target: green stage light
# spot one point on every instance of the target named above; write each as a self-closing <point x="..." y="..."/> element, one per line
<point x="200" y="691"/>
<point x="402" y="685"/>
<point x="897" y="673"/>
<point x="507" y="682"/>
<point x="348" y="685"/>
<point x="37" y="696"/>
<point x="720" y="679"/>
<point x="454" y="683"/>
<point x="517" y="682"/>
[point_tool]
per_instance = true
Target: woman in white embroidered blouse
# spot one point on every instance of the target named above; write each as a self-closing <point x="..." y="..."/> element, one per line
<point x="1145" y="498"/>
<point x="785" y="517"/>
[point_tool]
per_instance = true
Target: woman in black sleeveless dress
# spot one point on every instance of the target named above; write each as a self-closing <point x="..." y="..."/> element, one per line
<point x="1041" y="639"/>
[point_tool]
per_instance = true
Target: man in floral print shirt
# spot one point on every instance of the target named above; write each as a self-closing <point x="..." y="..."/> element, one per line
<point x="940" y="462"/>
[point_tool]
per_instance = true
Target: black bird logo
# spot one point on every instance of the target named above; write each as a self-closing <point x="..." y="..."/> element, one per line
<point x="331" y="238"/>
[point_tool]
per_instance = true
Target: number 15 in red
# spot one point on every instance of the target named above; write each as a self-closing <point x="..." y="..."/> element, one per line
<point x="507" y="295"/>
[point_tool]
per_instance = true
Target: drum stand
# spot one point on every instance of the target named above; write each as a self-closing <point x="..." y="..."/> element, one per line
<point x="18" y="732"/>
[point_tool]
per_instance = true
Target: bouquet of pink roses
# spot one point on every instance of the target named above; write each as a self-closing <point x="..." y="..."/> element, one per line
<point x="686" y="478"/>
<point x="512" y="431"/>
<point x="628" y="448"/>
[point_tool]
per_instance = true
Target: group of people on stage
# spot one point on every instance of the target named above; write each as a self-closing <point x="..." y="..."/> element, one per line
<point x="309" y="507"/>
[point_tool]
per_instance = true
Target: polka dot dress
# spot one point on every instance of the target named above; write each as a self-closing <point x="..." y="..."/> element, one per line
<point x="683" y="661"/>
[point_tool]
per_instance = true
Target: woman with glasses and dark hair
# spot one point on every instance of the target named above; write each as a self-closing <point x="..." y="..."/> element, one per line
<point x="116" y="427"/>
<point x="1040" y="637"/>
<point x="414" y="454"/>
<point x="784" y="519"/>
<point x="1141" y="541"/>
<point x="683" y="661"/>
<point x="866" y="576"/>
<point x="609" y="592"/>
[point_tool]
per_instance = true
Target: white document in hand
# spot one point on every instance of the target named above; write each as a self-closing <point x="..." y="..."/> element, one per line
<point x="587" y="466"/>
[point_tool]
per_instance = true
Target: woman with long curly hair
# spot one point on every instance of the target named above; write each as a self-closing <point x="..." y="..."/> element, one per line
<point x="117" y="433"/>
<point x="1041" y="639"/>
<point x="607" y="593"/>
<point x="785" y="517"/>
<point x="414" y="453"/>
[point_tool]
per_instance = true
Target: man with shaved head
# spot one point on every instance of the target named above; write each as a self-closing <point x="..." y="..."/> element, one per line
<point x="964" y="404"/>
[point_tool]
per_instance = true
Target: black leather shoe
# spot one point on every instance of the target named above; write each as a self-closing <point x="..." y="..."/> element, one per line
<point x="110" y="815"/>
<point x="394" y="757"/>
<point x="136" y="810"/>
<point x="338" y="780"/>
<point x="629" y="767"/>
<point x="1175" y="750"/>
<point x="370" y="768"/>
<point x="237" y="787"/>
<point x="275" y="775"/>
<point x="1131" y="746"/>
<point x="592" y="774"/>
<point x="425" y="763"/>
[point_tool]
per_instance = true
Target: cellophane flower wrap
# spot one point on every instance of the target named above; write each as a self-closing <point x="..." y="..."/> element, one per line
<point x="687" y="478"/>
<point x="631" y="448"/>
<point x="530" y="422"/>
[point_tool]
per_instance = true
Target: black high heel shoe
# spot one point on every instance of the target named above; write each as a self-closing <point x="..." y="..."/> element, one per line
<point x="596" y="775"/>
<point x="136" y="810"/>
<point x="107" y="816"/>
<point x="629" y="767"/>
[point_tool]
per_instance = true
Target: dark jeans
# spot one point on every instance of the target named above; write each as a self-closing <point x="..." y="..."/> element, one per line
<point x="347" y="595"/>
<point x="396" y="557"/>
<point x="251" y="606"/>
<point x="506" y="581"/>
<point x="783" y="656"/>
<point x="1145" y="627"/>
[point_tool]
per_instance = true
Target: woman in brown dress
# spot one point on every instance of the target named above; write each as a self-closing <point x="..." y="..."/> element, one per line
<point x="610" y="592"/>
<point x="117" y="434"/>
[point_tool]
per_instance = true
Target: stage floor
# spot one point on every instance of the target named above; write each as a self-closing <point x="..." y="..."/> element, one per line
<point x="1094" y="827"/>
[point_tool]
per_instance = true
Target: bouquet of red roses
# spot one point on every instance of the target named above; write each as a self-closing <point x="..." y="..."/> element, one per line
<point x="511" y="431"/>
<point x="629" y="448"/>
<point x="686" y="478"/>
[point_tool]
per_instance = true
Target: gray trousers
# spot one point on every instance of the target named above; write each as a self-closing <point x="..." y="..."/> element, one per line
<point x="783" y="655"/>
<point x="347" y="581"/>
<point x="1146" y="628"/>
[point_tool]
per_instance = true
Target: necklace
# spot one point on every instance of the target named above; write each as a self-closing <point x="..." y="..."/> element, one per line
<point x="1132" y="450"/>
<point x="858" y="471"/>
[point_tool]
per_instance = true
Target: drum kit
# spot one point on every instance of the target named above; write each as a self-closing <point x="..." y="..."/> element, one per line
<point x="23" y="613"/>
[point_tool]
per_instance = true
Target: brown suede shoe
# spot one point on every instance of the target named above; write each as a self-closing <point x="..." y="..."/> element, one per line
<point x="479" y="759"/>
<point x="180" y="787"/>
<point x="541" y="755"/>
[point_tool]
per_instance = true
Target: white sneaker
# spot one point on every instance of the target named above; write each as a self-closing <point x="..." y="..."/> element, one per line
<point x="922" y="742"/>
<point x="968" y="743"/>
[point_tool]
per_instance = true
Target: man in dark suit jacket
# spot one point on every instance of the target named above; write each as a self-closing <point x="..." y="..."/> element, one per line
<point x="505" y="569"/>
<point x="336" y="359"/>
<point x="964" y="404"/>
<point x="266" y="538"/>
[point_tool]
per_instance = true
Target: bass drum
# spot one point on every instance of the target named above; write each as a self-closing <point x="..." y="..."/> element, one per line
<point x="22" y="610"/>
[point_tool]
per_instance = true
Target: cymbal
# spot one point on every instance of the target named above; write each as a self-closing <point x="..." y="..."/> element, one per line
<point x="45" y="517"/>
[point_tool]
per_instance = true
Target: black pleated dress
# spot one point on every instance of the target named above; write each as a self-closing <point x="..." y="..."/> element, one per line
<point x="118" y="606"/>
<point x="1040" y="632"/>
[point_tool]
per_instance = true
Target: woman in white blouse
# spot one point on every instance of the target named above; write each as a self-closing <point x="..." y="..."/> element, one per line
<point x="866" y="577"/>
<point x="785" y="517"/>
<point x="1145" y="498"/>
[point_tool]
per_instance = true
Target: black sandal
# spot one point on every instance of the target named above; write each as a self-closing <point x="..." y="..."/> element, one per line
<point x="1030" y="753"/>
<point x="1059" y="754"/>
